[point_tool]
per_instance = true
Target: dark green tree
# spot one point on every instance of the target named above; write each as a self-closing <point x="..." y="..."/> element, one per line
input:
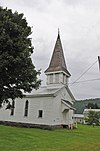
<point x="96" y="106"/>
<point x="93" y="117"/>
<point x="17" y="73"/>
<point x="92" y="106"/>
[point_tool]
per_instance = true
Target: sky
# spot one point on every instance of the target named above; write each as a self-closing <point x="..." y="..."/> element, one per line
<point x="79" y="25"/>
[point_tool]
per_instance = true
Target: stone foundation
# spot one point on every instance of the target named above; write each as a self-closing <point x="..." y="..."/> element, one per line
<point x="29" y="125"/>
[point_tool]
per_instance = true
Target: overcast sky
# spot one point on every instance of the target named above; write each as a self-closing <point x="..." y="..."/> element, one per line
<point x="79" y="24"/>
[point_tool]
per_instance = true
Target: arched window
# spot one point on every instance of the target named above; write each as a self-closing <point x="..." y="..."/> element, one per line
<point x="26" y="108"/>
<point x="12" y="108"/>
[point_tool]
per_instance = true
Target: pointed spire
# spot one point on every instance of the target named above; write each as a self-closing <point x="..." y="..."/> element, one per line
<point x="57" y="62"/>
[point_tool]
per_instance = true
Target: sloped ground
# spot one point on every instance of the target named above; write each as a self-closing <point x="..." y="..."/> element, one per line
<point x="85" y="138"/>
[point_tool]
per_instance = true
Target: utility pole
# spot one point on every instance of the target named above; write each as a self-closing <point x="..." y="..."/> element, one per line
<point x="99" y="61"/>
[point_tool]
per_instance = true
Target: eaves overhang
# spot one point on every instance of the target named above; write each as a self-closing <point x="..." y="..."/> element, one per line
<point x="68" y="106"/>
<point x="39" y="95"/>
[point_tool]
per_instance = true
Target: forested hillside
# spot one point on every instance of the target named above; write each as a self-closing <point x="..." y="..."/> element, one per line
<point x="80" y="105"/>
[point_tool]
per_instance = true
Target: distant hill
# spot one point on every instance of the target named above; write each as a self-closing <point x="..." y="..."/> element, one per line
<point x="80" y="105"/>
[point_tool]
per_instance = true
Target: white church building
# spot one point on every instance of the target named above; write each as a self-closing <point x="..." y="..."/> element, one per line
<point x="48" y="107"/>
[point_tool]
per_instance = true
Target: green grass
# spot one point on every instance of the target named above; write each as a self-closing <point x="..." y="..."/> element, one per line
<point x="85" y="138"/>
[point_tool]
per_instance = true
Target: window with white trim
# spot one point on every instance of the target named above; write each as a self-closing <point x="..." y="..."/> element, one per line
<point x="40" y="113"/>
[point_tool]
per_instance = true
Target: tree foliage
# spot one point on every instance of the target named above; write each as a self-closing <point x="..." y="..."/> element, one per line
<point x="17" y="72"/>
<point x="92" y="106"/>
<point x="93" y="117"/>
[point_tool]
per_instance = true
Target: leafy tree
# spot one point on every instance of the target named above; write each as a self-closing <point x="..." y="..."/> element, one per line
<point x="93" y="117"/>
<point x="96" y="106"/>
<point x="17" y="73"/>
<point x="92" y="106"/>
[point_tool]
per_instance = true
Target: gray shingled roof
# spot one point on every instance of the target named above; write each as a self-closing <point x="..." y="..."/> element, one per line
<point x="58" y="61"/>
<point x="44" y="91"/>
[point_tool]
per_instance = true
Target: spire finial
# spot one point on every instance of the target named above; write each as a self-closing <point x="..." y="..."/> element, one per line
<point x="58" y="31"/>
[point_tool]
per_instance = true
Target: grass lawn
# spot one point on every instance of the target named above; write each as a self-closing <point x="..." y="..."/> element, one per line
<point x="85" y="138"/>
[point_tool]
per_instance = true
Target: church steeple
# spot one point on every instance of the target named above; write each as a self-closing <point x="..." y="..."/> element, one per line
<point x="57" y="67"/>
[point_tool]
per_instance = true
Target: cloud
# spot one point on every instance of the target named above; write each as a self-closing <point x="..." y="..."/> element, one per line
<point x="79" y="23"/>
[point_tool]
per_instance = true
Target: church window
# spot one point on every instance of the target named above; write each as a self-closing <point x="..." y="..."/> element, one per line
<point x="51" y="78"/>
<point x="12" y="108"/>
<point x="40" y="114"/>
<point x="26" y="108"/>
<point x="57" y="78"/>
<point x="64" y="79"/>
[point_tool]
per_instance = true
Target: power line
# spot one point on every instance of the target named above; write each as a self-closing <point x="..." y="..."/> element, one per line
<point x="91" y="80"/>
<point x="84" y="73"/>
